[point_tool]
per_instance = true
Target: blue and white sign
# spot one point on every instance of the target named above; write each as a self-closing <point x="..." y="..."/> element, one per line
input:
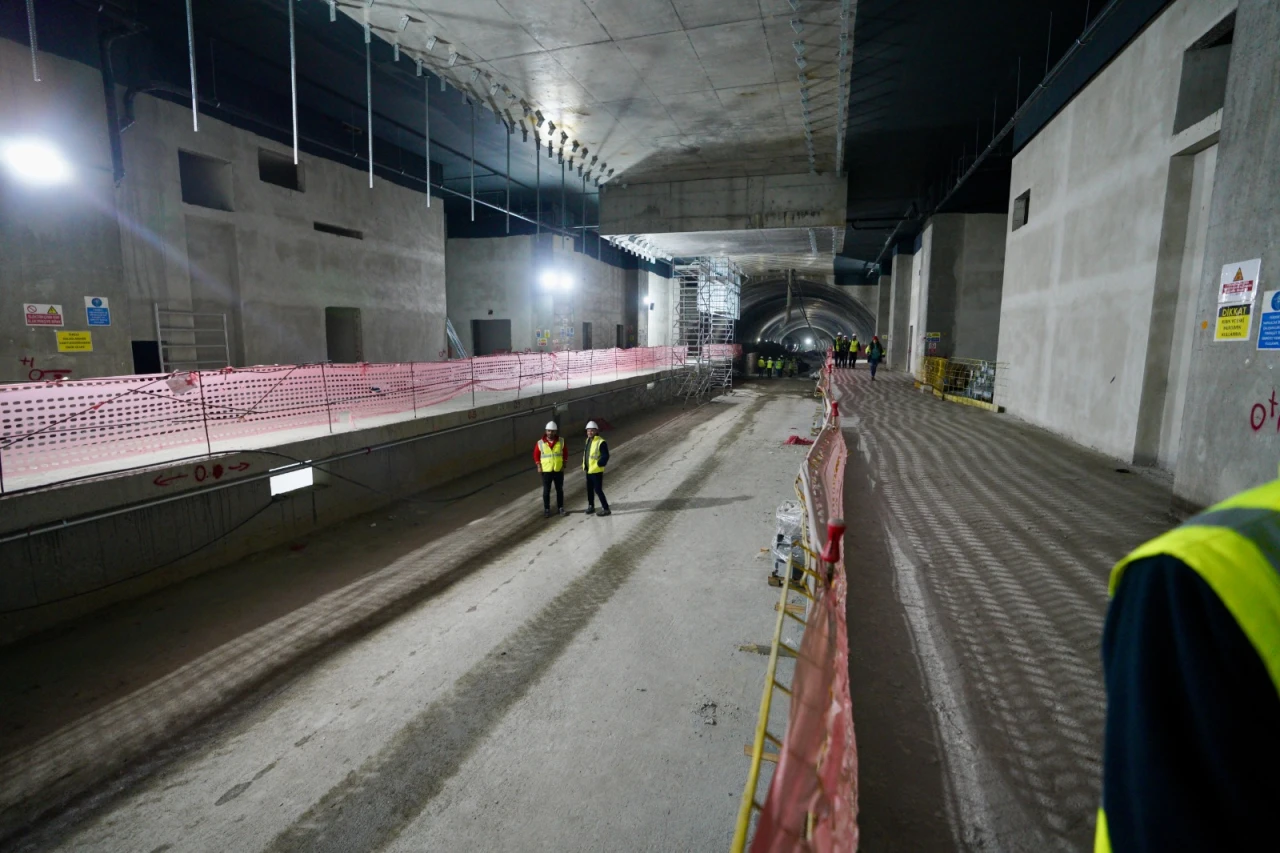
<point x="1269" y="331"/>
<point x="97" y="310"/>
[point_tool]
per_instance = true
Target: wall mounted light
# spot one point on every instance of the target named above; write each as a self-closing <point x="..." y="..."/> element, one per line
<point x="555" y="280"/>
<point x="35" y="162"/>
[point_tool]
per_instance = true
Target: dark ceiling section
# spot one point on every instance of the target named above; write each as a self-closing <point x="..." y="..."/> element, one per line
<point x="932" y="83"/>
<point x="242" y="60"/>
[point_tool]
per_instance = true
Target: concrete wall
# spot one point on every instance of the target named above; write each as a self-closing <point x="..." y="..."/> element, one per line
<point x="918" y="305"/>
<point x="60" y="244"/>
<point x="724" y="204"/>
<point x="882" y="309"/>
<point x="263" y="263"/>
<point x="1080" y="276"/>
<point x="900" y="333"/>
<point x="1232" y="384"/>
<point x="503" y="275"/>
<point x="50" y="578"/>
<point x="662" y="297"/>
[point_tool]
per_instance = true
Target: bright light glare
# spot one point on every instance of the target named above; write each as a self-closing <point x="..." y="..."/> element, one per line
<point x="34" y="162"/>
<point x="808" y="342"/>
<point x="300" y="478"/>
<point x="552" y="280"/>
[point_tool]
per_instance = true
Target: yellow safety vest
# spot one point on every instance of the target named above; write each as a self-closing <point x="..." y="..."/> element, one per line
<point x="1235" y="548"/>
<point x="769" y="364"/>
<point x="760" y="361"/>
<point x="551" y="459"/>
<point x="592" y="461"/>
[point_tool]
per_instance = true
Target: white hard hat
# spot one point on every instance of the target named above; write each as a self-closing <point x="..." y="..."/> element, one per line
<point x="592" y="425"/>
<point x="551" y="427"/>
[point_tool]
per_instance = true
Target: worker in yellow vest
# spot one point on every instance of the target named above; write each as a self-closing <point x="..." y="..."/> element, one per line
<point x="769" y="366"/>
<point x="760" y="365"/>
<point x="548" y="458"/>
<point x="594" y="458"/>
<point x="1191" y="654"/>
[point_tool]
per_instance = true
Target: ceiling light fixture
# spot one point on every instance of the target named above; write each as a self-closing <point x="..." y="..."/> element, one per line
<point x="798" y="46"/>
<point x="551" y="127"/>
<point x="418" y="62"/>
<point x="333" y="10"/>
<point x="576" y="145"/>
<point x="538" y="115"/>
<point x="404" y="22"/>
<point x="797" y="25"/>
<point x="431" y="44"/>
<point x="800" y="61"/>
<point x="475" y="74"/>
<point x="493" y="88"/>
<point x="453" y="58"/>
<point x="395" y="52"/>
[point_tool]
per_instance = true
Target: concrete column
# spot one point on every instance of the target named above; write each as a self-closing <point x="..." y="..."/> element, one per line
<point x="882" y="308"/>
<point x="962" y="275"/>
<point x="1229" y="427"/>
<point x="899" y="310"/>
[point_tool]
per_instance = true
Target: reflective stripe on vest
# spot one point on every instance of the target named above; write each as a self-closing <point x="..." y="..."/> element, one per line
<point x="592" y="461"/>
<point x="1235" y="548"/>
<point x="550" y="458"/>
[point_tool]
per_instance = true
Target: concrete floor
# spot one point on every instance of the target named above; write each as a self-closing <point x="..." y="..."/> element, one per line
<point x="464" y="675"/>
<point x="978" y="553"/>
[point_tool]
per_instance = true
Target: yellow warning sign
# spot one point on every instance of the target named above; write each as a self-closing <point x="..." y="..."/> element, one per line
<point x="1239" y="274"/>
<point x="75" y="341"/>
<point x="1233" y="323"/>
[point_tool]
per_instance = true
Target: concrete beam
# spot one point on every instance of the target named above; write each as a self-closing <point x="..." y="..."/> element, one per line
<point x="724" y="204"/>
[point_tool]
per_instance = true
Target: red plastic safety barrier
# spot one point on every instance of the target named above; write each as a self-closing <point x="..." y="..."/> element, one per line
<point x="812" y="802"/>
<point x="50" y="431"/>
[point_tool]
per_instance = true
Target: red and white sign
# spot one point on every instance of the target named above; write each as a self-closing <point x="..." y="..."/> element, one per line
<point x="1238" y="284"/>
<point x="43" y="314"/>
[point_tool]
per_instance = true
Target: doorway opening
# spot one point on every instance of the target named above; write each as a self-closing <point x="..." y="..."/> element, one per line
<point x="586" y="336"/>
<point x="490" y="337"/>
<point x="343" y="337"/>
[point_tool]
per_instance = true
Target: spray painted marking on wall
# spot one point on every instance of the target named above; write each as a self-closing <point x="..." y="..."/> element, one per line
<point x="1259" y="414"/>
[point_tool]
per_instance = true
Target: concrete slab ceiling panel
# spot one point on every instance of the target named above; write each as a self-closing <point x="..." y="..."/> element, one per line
<point x="593" y="66"/>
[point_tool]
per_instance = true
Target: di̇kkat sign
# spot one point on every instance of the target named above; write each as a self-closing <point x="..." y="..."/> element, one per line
<point x="1237" y="290"/>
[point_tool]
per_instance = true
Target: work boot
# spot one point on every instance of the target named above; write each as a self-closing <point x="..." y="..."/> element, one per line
<point x="604" y="512"/>
<point x="591" y="510"/>
<point x="546" y="513"/>
<point x="562" y="511"/>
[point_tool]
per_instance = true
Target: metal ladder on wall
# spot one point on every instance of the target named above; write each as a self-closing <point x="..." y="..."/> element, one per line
<point x="191" y="340"/>
<point x="706" y="312"/>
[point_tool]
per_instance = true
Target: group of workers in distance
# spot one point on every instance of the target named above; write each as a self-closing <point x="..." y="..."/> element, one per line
<point x="550" y="455"/>
<point x="776" y="366"/>
<point x="845" y="352"/>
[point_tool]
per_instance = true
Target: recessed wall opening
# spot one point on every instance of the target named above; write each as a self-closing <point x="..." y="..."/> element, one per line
<point x="326" y="228"/>
<point x="490" y="337"/>
<point x="344" y="337"/>
<point x="206" y="182"/>
<point x="279" y="169"/>
<point x="1021" y="210"/>
<point x="1203" y="89"/>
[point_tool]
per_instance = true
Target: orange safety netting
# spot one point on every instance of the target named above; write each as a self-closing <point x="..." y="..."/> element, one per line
<point x="812" y="802"/>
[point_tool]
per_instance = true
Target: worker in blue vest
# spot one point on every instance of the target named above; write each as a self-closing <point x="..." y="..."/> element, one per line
<point x="1191" y="655"/>
<point x="548" y="459"/>
<point x="594" y="458"/>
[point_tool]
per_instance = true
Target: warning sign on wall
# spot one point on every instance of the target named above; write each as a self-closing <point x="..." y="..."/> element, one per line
<point x="75" y="341"/>
<point x="1233" y="323"/>
<point x="1269" y="322"/>
<point x="1238" y="284"/>
<point x="43" y="314"/>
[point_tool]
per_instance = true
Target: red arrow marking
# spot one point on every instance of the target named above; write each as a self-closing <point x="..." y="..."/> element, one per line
<point x="164" y="481"/>
<point x="243" y="466"/>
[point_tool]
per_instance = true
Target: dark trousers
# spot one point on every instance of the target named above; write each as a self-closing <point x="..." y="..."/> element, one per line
<point x="595" y="486"/>
<point x="549" y="477"/>
<point x="874" y="364"/>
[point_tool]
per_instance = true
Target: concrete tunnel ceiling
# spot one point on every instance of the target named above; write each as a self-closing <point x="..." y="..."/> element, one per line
<point x="829" y="309"/>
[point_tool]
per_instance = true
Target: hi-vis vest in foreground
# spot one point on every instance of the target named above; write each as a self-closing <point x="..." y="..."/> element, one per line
<point x="592" y="462"/>
<point x="1235" y="548"/>
<point x="551" y="458"/>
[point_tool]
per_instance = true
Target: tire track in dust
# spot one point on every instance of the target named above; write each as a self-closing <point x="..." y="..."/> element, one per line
<point x="375" y="802"/>
<point x="1001" y="537"/>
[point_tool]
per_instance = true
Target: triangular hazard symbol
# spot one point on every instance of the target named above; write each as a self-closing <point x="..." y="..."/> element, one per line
<point x="1239" y="274"/>
<point x="53" y="310"/>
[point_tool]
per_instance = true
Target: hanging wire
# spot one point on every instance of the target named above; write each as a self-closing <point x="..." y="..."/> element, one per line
<point x="368" y="91"/>
<point x="191" y="57"/>
<point x="293" y="79"/>
<point x="31" y="35"/>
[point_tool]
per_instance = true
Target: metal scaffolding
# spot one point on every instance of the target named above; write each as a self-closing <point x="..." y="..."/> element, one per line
<point x="706" y="309"/>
